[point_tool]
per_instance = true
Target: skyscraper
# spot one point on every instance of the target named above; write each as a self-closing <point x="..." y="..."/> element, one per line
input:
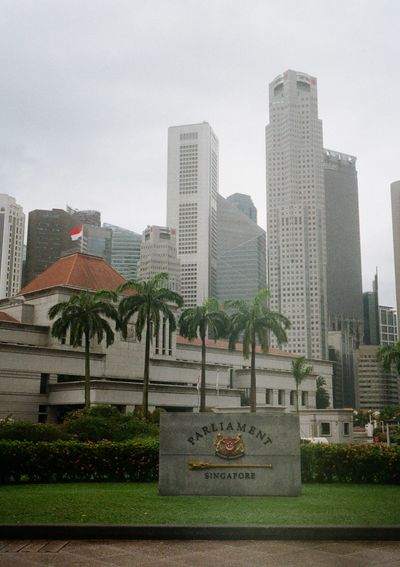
<point x="158" y="254"/>
<point x="296" y="226"/>
<point x="371" y="315"/>
<point x="12" y="225"/>
<point x="245" y="205"/>
<point x="395" y="196"/>
<point x="241" y="257"/>
<point x="125" y="251"/>
<point x="192" y="207"/>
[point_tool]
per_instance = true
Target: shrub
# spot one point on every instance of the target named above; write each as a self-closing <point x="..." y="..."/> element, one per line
<point x="27" y="431"/>
<point x="63" y="461"/>
<point x="105" y="422"/>
<point x="350" y="463"/>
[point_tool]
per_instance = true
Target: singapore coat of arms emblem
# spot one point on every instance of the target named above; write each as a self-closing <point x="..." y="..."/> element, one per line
<point x="229" y="447"/>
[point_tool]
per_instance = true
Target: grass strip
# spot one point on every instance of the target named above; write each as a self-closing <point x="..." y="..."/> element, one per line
<point x="137" y="503"/>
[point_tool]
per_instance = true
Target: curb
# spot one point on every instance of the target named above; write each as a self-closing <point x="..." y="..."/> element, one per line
<point x="206" y="532"/>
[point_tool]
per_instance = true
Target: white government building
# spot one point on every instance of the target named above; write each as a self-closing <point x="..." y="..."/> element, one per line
<point x="40" y="378"/>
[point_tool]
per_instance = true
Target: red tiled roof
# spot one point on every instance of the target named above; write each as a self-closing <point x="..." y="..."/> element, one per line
<point x="77" y="270"/>
<point x="224" y="345"/>
<point x="6" y="317"/>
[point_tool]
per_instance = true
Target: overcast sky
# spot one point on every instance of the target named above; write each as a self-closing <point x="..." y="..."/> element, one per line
<point x="89" y="88"/>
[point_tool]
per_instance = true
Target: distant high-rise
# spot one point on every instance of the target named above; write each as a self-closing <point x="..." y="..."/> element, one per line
<point x="192" y="207"/>
<point x="158" y="254"/>
<point x="125" y="251"/>
<point x="395" y="197"/>
<point x="48" y="240"/>
<point x="296" y="226"/>
<point x="97" y="240"/>
<point x="344" y="280"/>
<point x="245" y="204"/>
<point x="388" y="325"/>
<point x="241" y="253"/>
<point x="371" y="315"/>
<point x="12" y="225"/>
<point x="90" y="217"/>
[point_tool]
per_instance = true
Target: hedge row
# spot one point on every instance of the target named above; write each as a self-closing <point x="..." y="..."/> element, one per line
<point x="63" y="461"/>
<point x="350" y="463"/>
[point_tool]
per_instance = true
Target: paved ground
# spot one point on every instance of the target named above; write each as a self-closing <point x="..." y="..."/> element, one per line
<point x="199" y="553"/>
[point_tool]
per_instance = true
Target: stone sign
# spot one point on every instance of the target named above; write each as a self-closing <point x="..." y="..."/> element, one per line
<point x="232" y="454"/>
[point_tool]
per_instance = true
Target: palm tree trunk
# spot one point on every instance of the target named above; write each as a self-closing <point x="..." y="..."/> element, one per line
<point x="87" y="371"/>
<point x="146" y="371"/>
<point x="253" y="397"/>
<point x="203" y="376"/>
<point x="297" y="397"/>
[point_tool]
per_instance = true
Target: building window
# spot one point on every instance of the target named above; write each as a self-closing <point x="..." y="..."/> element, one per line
<point x="304" y="398"/>
<point x="281" y="397"/>
<point x="325" y="429"/>
<point x="42" y="414"/>
<point x="44" y="383"/>
<point x="269" y="397"/>
<point x="292" y="397"/>
<point x="346" y="428"/>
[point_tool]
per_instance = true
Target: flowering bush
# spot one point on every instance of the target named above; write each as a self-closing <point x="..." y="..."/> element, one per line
<point x="350" y="463"/>
<point x="63" y="461"/>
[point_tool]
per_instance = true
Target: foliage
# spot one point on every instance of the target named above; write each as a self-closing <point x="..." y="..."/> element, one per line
<point x="105" y="422"/>
<point x="252" y="323"/>
<point x="390" y="413"/>
<point x="84" y="316"/>
<point x="28" y="431"/>
<point x="322" y="396"/>
<point x="148" y="302"/>
<point x="300" y="372"/>
<point x="350" y="463"/>
<point x="62" y="461"/>
<point x="389" y="355"/>
<point x="202" y="321"/>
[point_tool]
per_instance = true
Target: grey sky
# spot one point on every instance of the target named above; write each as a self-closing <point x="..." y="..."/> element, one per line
<point x="89" y="88"/>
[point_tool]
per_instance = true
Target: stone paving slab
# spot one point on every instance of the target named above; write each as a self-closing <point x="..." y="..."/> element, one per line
<point x="124" y="553"/>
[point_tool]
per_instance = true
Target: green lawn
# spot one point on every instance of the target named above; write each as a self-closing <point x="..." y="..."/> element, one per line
<point x="132" y="503"/>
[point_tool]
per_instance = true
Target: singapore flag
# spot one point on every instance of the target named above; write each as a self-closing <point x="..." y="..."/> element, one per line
<point x="76" y="233"/>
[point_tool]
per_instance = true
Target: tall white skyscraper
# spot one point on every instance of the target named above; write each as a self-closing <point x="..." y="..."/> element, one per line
<point x="12" y="224"/>
<point x="296" y="226"/>
<point x="192" y="207"/>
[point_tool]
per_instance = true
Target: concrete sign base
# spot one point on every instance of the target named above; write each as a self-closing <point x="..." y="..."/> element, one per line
<point x="229" y="454"/>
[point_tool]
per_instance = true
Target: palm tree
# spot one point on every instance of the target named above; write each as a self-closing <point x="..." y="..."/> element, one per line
<point x="84" y="316"/>
<point x="389" y="355"/>
<point x="148" y="302"/>
<point x="201" y="321"/>
<point x="322" y="396"/>
<point x="300" y="371"/>
<point x="252" y="323"/>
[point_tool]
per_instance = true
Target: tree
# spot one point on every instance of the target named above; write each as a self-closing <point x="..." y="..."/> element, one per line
<point x="389" y="355"/>
<point x="322" y="396"/>
<point x="85" y="315"/>
<point x="201" y="321"/>
<point x="252" y="323"/>
<point x="147" y="303"/>
<point x="300" y="371"/>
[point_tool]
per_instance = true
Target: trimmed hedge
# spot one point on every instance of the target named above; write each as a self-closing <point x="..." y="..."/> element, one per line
<point x="350" y="463"/>
<point x="28" y="431"/>
<point x="63" y="461"/>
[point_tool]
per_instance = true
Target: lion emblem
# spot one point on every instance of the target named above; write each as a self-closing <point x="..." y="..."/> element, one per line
<point x="229" y="447"/>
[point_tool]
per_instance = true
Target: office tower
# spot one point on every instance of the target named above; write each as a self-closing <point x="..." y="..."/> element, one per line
<point x="158" y="254"/>
<point x="395" y="197"/>
<point x="245" y="204"/>
<point x="344" y="281"/>
<point x="125" y="251"/>
<point x="376" y="389"/>
<point x="12" y="225"/>
<point x="90" y="217"/>
<point x="241" y="253"/>
<point x="296" y="228"/>
<point x="97" y="241"/>
<point x="371" y="315"/>
<point x="192" y="207"/>
<point x="48" y="240"/>
<point x="388" y="326"/>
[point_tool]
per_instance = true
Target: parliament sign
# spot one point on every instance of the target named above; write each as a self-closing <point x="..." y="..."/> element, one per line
<point x="232" y="454"/>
